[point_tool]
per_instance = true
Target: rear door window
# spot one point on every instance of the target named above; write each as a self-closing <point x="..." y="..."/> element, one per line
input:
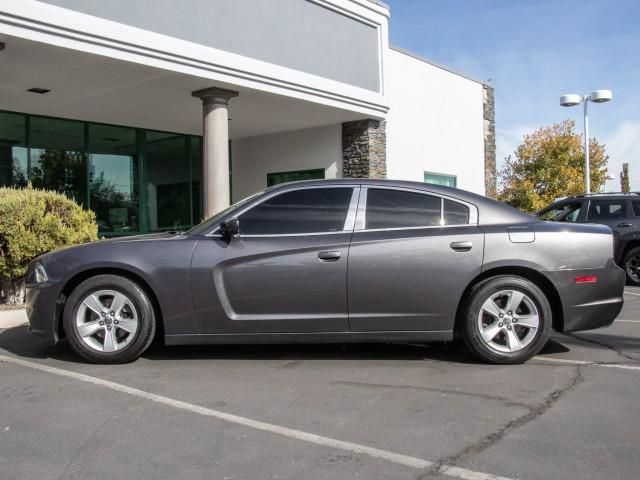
<point x="606" y="210"/>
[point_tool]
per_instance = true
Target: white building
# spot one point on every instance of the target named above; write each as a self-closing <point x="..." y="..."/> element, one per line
<point x="105" y="101"/>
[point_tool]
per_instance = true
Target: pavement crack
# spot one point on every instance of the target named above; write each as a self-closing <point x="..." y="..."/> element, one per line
<point x="619" y="351"/>
<point x="506" y="401"/>
<point x="440" y="466"/>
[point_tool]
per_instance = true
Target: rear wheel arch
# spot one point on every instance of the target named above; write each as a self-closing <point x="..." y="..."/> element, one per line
<point x="540" y="280"/>
<point x="80" y="277"/>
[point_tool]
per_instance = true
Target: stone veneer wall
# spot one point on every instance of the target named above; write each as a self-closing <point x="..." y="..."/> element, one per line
<point x="490" y="176"/>
<point x="364" y="149"/>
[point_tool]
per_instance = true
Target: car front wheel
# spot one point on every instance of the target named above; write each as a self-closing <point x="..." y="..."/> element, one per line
<point x="507" y="320"/>
<point x="632" y="266"/>
<point x="109" y="319"/>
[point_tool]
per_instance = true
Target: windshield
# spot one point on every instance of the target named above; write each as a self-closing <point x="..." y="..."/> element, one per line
<point x="206" y="224"/>
<point x="567" y="212"/>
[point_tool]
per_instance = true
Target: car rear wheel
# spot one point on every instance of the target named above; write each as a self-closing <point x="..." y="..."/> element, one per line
<point x="507" y="319"/>
<point x="632" y="266"/>
<point x="109" y="319"/>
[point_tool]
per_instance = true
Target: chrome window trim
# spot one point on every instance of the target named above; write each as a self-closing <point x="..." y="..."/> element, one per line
<point x="350" y="221"/>
<point x="362" y="209"/>
<point x="354" y="187"/>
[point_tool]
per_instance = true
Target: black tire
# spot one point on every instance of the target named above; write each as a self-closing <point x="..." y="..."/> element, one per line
<point x="137" y="298"/>
<point x="470" y="327"/>
<point x="631" y="266"/>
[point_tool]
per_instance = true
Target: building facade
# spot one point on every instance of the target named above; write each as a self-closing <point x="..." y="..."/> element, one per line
<point x="156" y="114"/>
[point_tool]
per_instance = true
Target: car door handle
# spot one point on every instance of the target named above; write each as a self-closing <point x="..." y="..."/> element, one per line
<point x="624" y="225"/>
<point x="329" y="256"/>
<point x="461" y="246"/>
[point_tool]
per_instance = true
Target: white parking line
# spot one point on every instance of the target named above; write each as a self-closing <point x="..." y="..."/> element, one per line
<point x="628" y="321"/>
<point x="397" y="458"/>
<point x="624" y="367"/>
<point x="632" y="293"/>
<point x="562" y="360"/>
<point x="582" y="362"/>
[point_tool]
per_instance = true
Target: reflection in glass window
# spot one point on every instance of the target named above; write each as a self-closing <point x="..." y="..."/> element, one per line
<point x="13" y="151"/>
<point x="313" y="210"/>
<point x="168" y="183"/>
<point x="113" y="178"/>
<point x="57" y="157"/>
<point x="401" y="209"/>
<point x="455" y="213"/>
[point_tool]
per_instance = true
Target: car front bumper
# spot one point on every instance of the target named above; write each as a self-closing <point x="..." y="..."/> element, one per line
<point x="43" y="310"/>
<point x="587" y="306"/>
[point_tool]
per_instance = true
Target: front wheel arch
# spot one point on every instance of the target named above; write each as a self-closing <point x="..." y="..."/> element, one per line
<point x="541" y="281"/>
<point x="77" y="279"/>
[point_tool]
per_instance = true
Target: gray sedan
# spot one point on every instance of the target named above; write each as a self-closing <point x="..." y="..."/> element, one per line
<point x="334" y="261"/>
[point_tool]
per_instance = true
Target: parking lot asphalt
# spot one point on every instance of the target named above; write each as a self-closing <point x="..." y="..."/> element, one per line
<point x="325" y="411"/>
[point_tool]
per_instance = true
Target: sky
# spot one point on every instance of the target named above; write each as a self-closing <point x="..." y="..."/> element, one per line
<point x="533" y="51"/>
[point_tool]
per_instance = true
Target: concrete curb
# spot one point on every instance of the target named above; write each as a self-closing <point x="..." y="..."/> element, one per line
<point x="12" y="318"/>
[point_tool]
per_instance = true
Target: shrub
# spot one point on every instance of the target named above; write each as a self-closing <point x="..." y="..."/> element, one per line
<point x="33" y="222"/>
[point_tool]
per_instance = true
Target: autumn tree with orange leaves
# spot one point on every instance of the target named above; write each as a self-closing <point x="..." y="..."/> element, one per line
<point x="550" y="164"/>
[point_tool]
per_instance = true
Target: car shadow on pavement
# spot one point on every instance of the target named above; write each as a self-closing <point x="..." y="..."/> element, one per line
<point x="19" y="342"/>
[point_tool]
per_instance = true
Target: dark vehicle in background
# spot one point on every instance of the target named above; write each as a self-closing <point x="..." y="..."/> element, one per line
<point x="619" y="211"/>
<point x="346" y="260"/>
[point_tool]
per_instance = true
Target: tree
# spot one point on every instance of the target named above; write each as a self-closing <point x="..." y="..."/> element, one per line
<point x="34" y="222"/>
<point x="550" y="164"/>
<point x="624" y="178"/>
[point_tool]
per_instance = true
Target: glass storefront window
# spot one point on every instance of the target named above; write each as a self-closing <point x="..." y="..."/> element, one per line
<point x="13" y="151"/>
<point x="167" y="181"/>
<point x="113" y="178"/>
<point x="57" y="157"/>
<point x="135" y="180"/>
<point x="441" y="179"/>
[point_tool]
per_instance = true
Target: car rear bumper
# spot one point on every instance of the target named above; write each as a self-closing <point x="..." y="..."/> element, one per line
<point x="43" y="310"/>
<point x="587" y="306"/>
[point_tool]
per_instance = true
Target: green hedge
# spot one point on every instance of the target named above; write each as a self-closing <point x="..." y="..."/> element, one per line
<point x="33" y="222"/>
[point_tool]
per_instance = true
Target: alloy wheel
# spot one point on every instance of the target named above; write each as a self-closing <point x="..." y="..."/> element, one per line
<point x="107" y="320"/>
<point x="508" y="321"/>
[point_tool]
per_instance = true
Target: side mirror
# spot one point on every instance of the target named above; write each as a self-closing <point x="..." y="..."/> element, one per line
<point x="230" y="228"/>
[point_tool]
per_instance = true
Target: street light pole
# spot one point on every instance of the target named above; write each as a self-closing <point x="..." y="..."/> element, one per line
<point x="586" y="143"/>
<point x="571" y="100"/>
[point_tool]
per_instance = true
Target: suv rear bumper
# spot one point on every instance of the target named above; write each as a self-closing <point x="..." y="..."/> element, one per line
<point x="587" y="306"/>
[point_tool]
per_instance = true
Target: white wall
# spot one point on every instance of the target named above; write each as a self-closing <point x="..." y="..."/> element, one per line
<point x="253" y="158"/>
<point x="435" y="123"/>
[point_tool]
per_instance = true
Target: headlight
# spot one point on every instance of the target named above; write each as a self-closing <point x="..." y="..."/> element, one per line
<point x="37" y="275"/>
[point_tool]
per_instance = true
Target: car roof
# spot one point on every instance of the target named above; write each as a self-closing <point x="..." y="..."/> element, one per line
<point x="614" y="195"/>
<point x="489" y="211"/>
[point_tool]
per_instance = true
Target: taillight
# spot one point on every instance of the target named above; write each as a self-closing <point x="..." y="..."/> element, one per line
<point x="587" y="279"/>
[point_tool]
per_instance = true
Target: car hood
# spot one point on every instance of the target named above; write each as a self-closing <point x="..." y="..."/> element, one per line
<point x="151" y="237"/>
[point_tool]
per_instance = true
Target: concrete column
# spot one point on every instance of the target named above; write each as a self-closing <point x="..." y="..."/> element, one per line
<point x="215" y="155"/>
